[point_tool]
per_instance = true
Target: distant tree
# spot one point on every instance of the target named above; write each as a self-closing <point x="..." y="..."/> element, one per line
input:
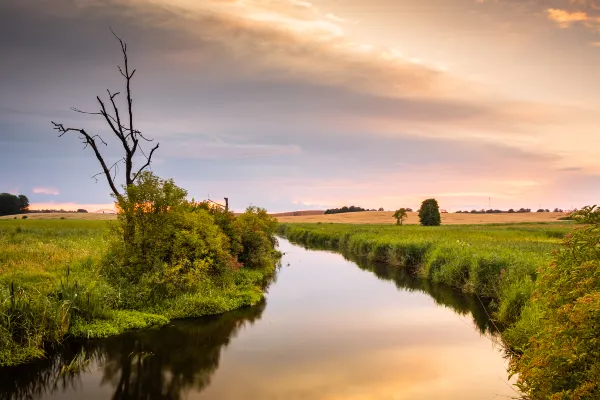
<point x="380" y="208"/>
<point x="429" y="213"/>
<point x="400" y="216"/>
<point x="556" y="210"/>
<point x="541" y="210"/>
<point x="346" y="209"/>
<point x="511" y="211"/>
<point x="408" y="209"/>
<point x="9" y="204"/>
<point x="24" y="204"/>
<point x="81" y="210"/>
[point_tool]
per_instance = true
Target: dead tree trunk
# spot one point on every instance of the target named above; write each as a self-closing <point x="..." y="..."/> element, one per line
<point x="129" y="138"/>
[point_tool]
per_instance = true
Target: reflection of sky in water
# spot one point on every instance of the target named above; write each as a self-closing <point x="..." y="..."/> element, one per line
<point x="333" y="331"/>
<point x="330" y="331"/>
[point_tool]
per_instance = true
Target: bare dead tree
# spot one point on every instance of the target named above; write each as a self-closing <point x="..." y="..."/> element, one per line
<point x="121" y="126"/>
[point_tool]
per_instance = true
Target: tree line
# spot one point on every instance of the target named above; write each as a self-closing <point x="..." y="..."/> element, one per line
<point x="11" y="204"/>
<point x="510" y="211"/>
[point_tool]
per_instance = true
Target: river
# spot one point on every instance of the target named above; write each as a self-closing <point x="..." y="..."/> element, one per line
<point x="330" y="329"/>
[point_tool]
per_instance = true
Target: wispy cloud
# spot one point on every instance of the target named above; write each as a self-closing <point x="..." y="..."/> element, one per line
<point x="46" y="190"/>
<point x="565" y="19"/>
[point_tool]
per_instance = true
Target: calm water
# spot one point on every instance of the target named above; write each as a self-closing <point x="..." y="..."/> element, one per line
<point x="329" y="329"/>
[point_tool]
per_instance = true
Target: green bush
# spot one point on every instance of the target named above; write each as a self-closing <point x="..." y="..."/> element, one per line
<point x="429" y="213"/>
<point x="257" y="230"/>
<point x="561" y="359"/>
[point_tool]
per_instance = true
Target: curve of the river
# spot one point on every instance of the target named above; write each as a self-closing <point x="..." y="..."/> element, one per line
<point x="328" y="330"/>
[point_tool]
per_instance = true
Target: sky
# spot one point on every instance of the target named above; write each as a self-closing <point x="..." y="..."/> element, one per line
<point x="294" y="104"/>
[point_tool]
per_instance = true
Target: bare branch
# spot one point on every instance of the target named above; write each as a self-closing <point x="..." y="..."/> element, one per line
<point x="124" y="130"/>
<point x="91" y="141"/>
<point x="85" y="112"/>
<point x="149" y="160"/>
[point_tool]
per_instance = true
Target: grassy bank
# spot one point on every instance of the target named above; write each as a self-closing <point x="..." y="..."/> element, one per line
<point x="499" y="262"/>
<point x="51" y="287"/>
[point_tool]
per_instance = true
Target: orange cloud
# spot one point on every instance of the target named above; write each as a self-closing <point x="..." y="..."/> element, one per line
<point x="564" y="19"/>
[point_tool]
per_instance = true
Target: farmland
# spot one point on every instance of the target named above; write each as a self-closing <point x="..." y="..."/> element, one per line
<point x="386" y="217"/>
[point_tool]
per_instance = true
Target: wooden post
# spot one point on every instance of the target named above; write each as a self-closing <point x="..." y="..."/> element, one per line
<point x="226" y="204"/>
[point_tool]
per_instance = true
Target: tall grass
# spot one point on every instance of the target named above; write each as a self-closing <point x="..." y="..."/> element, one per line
<point x="51" y="287"/>
<point x="496" y="262"/>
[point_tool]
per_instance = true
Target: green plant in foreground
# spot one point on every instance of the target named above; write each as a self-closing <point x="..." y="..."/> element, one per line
<point x="429" y="213"/>
<point x="561" y="360"/>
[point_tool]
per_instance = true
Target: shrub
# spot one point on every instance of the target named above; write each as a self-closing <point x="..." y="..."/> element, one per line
<point x="257" y="230"/>
<point x="24" y="217"/>
<point x="562" y="357"/>
<point x="429" y="213"/>
<point x="163" y="245"/>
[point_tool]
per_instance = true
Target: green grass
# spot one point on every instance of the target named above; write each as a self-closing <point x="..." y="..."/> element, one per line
<point x="51" y="288"/>
<point x="499" y="262"/>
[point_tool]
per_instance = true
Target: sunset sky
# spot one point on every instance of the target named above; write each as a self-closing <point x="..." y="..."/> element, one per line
<point x="293" y="104"/>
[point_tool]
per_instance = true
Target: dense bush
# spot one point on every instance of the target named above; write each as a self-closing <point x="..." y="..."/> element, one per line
<point x="165" y="246"/>
<point x="561" y="359"/>
<point x="429" y="213"/>
<point x="258" y="239"/>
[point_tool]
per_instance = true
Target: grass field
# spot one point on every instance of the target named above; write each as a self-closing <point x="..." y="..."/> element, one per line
<point x="366" y="217"/>
<point x="72" y="216"/>
<point x="51" y="285"/>
<point x="385" y="217"/>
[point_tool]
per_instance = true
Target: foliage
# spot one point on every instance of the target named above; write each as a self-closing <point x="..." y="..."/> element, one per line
<point x="11" y="204"/>
<point x="400" y="215"/>
<point x="561" y="359"/>
<point x="80" y="278"/>
<point x="180" y="247"/>
<point x="429" y="213"/>
<point x="258" y="237"/>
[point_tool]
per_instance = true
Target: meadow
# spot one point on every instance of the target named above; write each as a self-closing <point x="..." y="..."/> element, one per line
<point x="497" y="262"/>
<point x="51" y="288"/>
<point x="386" y="217"/>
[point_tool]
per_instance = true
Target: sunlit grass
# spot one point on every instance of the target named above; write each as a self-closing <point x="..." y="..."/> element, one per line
<point x="51" y="287"/>
<point x="499" y="262"/>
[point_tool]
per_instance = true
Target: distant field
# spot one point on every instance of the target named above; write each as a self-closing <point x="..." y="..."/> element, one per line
<point x="386" y="217"/>
<point x="365" y="217"/>
<point x="78" y="216"/>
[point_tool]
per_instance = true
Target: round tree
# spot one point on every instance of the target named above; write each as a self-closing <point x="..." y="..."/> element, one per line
<point x="429" y="213"/>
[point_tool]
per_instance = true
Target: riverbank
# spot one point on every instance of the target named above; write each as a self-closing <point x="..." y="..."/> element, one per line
<point x="496" y="262"/>
<point x="50" y="280"/>
<point x="329" y="329"/>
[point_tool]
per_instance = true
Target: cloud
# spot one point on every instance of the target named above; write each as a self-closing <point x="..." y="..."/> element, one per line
<point x="564" y="19"/>
<point x="46" y="190"/>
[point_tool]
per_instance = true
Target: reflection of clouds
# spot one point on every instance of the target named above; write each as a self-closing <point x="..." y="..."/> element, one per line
<point x="382" y="344"/>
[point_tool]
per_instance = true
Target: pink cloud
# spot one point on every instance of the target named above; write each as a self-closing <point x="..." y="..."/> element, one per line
<point x="46" y="190"/>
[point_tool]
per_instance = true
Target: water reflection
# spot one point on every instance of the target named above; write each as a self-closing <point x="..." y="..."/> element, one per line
<point x="331" y="331"/>
<point x="151" y="364"/>
<point x="443" y="295"/>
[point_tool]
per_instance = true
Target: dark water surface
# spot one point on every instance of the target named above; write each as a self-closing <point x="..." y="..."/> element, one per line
<point x="328" y="330"/>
